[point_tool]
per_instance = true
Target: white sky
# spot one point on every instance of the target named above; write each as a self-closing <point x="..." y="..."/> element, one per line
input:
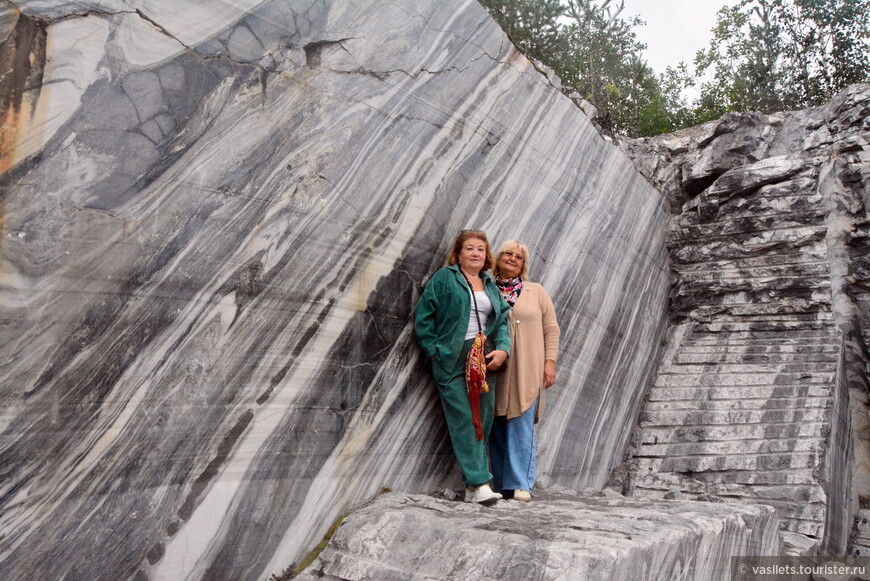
<point x="675" y="29"/>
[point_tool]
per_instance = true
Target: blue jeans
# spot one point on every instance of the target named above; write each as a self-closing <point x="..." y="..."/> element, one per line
<point x="512" y="450"/>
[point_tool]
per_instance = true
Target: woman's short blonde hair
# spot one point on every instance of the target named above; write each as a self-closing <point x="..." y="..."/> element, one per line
<point x="453" y="256"/>
<point x="509" y="245"/>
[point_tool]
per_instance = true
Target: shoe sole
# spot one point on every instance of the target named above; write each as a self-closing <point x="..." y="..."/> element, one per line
<point x="488" y="501"/>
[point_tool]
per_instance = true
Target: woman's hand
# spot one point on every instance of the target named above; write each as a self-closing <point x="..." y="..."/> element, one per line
<point x="496" y="358"/>
<point x="549" y="373"/>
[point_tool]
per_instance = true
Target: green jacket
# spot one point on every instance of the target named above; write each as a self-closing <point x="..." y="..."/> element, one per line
<point x="442" y="318"/>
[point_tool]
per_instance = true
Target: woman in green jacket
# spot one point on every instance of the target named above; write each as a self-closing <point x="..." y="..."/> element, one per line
<point x="459" y="302"/>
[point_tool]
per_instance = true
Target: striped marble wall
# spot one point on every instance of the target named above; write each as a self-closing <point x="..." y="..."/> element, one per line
<point x="216" y="220"/>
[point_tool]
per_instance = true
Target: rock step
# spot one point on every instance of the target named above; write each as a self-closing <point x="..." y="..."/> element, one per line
<point x="704" y="253"/>
<point x="717" y="462"/>
<point x="812" y="347"/>
<point x="696" y="380"/>
<point x="742" y="308"/>
<point x="802" y="403"/>
<point x="798" y="366"/>
<point x="810" y="492"/>
<point x="596" y="538"/>
<point x="772" y="329"/>
<point x="737" y="392"/>
<point x="730" y="417"/>
<point x="731" y="249"/>
<point x="815" y="269"/>
<point x="743" y="225"/>
<point x="782" y="325"/>
<point x="722" y="479"/>
<point x="752" y="349"/>
<point x="729" y="433"/>
<point x="742" y="358"/>
<point x="816" y="253"/>
<point x="760" y="207"/>
<point x="762" y="300"/>
<point x="813" y="529"/>
<point x="797" y="185"/>
<point x="717" y="286"/>
<point x="815" y="316"/>
<point x="810" y="509"/>
<point x="808" y="337"/>
<point x="747" y="245"/>
<point x="734" y="250"/>
<point x="668" y="449"/>
<point x="807" y="519"/>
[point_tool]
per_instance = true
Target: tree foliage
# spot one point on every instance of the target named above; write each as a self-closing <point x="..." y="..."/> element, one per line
<point x="533" y="25"/>
<point x="595" y="51"/>
<point x="773" y="55"/>
<point x="765" y="55"/>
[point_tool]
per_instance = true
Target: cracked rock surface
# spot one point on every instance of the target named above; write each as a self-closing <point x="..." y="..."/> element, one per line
<point x="562" y="537"/>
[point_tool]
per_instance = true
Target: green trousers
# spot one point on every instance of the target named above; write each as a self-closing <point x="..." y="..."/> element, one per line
<point x="471" y="453"/>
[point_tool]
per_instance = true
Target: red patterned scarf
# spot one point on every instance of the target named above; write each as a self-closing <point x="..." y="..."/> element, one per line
<point x="475" y="381"/>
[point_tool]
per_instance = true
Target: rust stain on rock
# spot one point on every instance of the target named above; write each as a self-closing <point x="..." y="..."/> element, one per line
<point x="22" y="64"/>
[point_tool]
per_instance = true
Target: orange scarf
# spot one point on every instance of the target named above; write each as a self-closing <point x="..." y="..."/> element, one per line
<point x="475" y="380"/>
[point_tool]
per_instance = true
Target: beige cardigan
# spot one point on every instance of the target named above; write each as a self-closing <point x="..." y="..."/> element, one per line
<point x="535" y="338"/>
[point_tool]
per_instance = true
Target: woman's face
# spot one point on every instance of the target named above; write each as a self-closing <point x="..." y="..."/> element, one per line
<point x="473" y="255"/>
<point x="510" y="262"/>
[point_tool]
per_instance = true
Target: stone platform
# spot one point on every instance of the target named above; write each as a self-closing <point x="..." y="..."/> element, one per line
<point x="558" y="536"/>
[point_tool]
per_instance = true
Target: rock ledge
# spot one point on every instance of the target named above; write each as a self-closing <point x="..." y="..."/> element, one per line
<point x="558" y="536"/>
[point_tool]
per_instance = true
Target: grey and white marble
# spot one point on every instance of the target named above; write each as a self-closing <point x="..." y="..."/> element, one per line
<point x="216" y="220"/>
<point x="761" y="395"/>
<point x="557" y="537"/>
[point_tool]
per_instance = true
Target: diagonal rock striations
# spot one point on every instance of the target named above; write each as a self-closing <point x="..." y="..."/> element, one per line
<point x="216" y="221"/>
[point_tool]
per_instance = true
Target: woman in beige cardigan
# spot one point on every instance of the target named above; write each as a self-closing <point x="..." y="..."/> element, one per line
<point x="531" y="369"/>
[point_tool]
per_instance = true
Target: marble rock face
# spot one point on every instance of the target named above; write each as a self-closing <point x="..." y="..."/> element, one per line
<point x="216" y="221"/>
<point x="556" y="537"/>
<point x="761" y="394"/>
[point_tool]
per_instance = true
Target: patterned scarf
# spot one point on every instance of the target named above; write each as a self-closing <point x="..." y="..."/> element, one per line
<point x="475" y="381"/>
<point x="510" y="288"/>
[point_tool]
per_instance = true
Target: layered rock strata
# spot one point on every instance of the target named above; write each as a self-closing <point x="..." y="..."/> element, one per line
<point x="558" y="537"/>
<point x="216" y="220"/>
<point x="859" y="542"/>
<point x="765" y="354"/>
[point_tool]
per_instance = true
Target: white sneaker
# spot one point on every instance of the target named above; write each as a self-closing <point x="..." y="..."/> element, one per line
<point x="482" y="495"/>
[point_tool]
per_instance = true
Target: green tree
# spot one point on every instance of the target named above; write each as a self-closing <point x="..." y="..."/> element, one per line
<point x="603" y="62"/>
<point x="765" y="55"/>
<point x="533" y="26"/>
<point x="772" y="55"/>
<point x="595" y="51"/>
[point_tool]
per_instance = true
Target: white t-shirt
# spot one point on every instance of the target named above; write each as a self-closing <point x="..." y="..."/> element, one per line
<point x="485" y="309"/>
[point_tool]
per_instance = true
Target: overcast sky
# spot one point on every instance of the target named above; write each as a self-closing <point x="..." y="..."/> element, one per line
<point x="675" y="29"/>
